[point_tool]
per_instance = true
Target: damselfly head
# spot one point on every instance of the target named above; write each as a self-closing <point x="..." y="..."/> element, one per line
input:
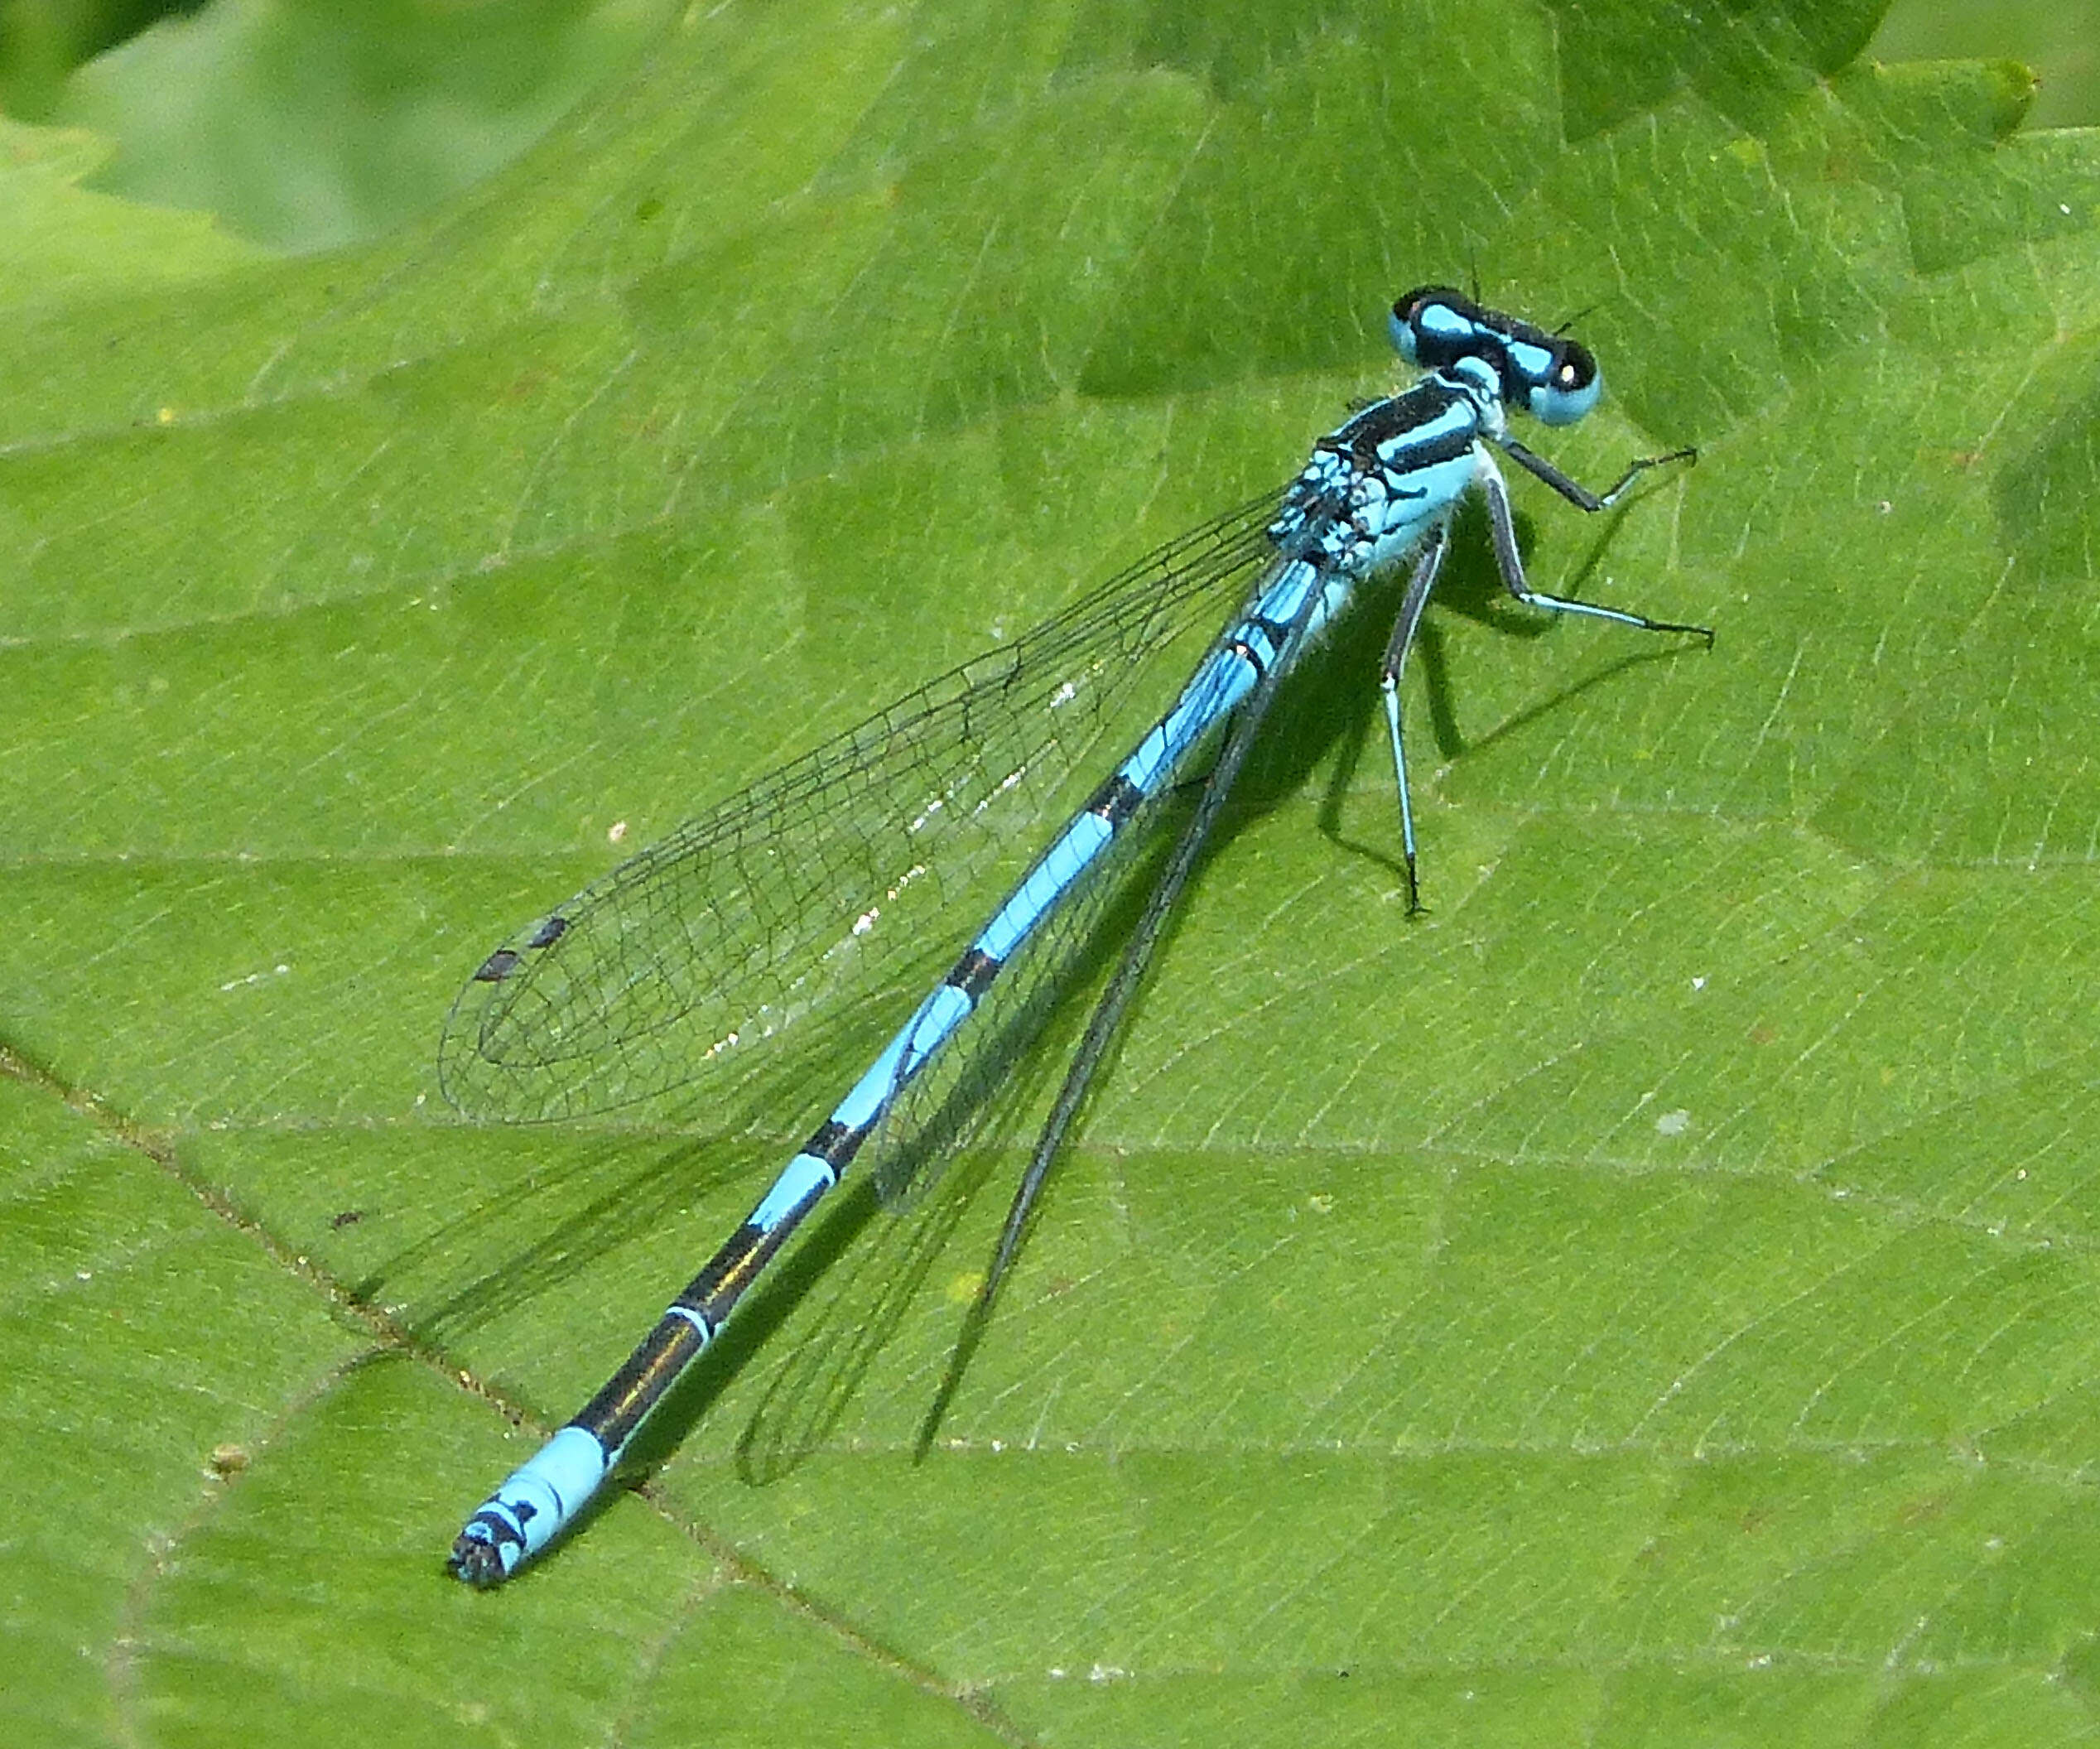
<point x="1552" y="378"/>
<point x="1431" y="325"/>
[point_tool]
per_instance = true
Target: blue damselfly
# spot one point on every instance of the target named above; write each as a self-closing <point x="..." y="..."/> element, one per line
<point x="716" y="936"/>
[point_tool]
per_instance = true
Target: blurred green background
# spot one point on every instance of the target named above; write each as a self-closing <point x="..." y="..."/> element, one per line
<point x="2060" y="38"/>
<point x="306" y="125"/>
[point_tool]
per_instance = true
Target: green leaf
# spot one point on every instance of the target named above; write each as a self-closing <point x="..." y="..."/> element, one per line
<point x="1646" y="1300"/>
<point x="308" y="127"/>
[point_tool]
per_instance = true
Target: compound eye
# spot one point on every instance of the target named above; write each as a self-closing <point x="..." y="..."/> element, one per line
<point x="1425" y="327"/>
<point x="1575" y="370"/>
<point x="1567" y="388"/>
<point x="1409" y="309"/>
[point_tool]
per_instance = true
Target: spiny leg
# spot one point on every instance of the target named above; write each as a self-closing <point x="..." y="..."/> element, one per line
<point x="1573" y="490"/>
<point x="1109" y="1009"/>
<point x="1419" y="585"/>
<point x="1137" y="953"/>
<point x="1502" y="526"/>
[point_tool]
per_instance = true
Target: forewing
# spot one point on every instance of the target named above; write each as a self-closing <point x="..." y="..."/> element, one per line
<point x="979" y="1072"/>
<point x="832" y="871"/>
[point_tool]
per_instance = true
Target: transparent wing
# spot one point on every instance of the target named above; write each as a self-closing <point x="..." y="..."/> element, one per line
<point x="833" y="871"/>
<point x="979" y="1071"/>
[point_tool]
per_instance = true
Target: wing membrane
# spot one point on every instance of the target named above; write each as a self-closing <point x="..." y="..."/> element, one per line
<point x="832" y="873"/>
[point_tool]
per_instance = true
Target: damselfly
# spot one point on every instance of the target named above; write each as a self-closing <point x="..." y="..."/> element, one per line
<point x="716" y="938"/>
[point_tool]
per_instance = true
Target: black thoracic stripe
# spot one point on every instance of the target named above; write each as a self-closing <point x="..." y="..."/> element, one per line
<point x="1428" y="451"/>
<point x="1116" y="801"/>
<point x="973" y="974"/>
<point x="835" y="1144"/>
<point x="1394" y="416"/>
